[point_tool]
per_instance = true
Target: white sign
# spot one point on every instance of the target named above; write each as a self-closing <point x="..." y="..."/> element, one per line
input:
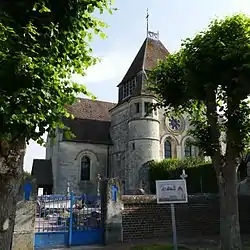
<point x="40" y="191"/>
<point x="171" y="191"/>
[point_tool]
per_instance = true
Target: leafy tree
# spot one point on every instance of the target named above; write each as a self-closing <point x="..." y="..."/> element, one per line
<point x="209" y="79"/>
<point x="26" y="175"/>
<point x="42" y="43"/>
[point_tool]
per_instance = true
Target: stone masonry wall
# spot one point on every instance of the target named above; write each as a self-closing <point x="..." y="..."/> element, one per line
<point x="23" y="236"/>
<point x="143" y="218"/>
<point x="177" y="140"/>
<point x="70" y="154"/>
<point x="119" y="134"/>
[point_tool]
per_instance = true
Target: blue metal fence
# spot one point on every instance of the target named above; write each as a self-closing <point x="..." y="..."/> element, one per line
<point x="68" y="221"/>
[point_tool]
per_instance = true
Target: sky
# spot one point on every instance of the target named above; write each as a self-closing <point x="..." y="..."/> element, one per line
<point x="174" y="19"/>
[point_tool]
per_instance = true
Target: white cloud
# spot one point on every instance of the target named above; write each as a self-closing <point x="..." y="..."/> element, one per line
<point x="33" y="151"/>
<point x="112" y="66"/>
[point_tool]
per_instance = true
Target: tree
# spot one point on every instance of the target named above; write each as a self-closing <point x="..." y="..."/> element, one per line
<point x="42" y="43"/>
<point x="209" y="79"/>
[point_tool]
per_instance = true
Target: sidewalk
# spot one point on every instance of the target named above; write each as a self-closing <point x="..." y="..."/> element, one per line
<point x="120" y="246"/>
<point x="113" y="247"/>
<point x="110" y="247"/>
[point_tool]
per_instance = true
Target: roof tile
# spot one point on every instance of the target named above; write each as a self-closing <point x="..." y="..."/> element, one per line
<point x="91" y="109"/>
<point x="91" y="121"/>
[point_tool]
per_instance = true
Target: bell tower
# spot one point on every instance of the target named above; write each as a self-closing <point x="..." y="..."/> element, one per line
<point x="133" y="113"/>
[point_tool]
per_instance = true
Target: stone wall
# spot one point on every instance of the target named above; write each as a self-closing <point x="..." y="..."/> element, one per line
<point x="70" y="154"/>
<point x="177" y="139"/>
<point x="143" y="218"/>
<point x="23" y="237"/>
<point x="119" y="134"/>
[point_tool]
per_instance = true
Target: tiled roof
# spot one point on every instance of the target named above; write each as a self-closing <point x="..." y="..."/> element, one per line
<point x="91" y="109"/>
<point x="155" y="51"/>
<point x="42" y="171"/>
<point x="92" y="121"/>
<point x="150" y="52"/>
<point x="89" y="131"/>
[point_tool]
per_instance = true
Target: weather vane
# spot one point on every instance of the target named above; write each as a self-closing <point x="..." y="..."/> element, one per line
<point x="151" y="34"/>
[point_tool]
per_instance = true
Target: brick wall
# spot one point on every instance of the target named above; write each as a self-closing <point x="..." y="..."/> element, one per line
<point x="143" y="218"/>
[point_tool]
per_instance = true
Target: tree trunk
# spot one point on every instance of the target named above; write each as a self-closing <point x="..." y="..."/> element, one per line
<point x="229" y="215"/>
<point x="11" y="169"/>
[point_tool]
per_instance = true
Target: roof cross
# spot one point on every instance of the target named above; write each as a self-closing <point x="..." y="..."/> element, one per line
<point x="147" y="18"/>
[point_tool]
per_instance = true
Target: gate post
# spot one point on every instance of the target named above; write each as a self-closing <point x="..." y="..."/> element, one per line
<point x="112" y="208"/>
<point x="71" y="218"/>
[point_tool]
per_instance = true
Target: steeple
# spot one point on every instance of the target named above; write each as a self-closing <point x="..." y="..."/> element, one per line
<point x="151" y="51"/>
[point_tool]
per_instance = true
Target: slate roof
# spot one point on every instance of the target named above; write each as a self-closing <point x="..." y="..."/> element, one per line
<point x="91" y="123"/>
<point x="42" y="171"/>
<point x="147" y="58"/>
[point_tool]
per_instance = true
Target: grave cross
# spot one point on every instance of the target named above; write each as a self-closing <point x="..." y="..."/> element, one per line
<point x="183" y="175"/>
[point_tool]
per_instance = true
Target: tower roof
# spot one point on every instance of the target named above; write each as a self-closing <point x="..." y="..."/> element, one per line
<point x="151" y="51"/>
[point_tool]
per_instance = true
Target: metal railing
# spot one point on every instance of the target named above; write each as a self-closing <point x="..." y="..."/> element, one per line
<point x="67" y="213"/>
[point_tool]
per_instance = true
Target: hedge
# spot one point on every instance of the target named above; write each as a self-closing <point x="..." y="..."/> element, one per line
<point x="201" y="175"/>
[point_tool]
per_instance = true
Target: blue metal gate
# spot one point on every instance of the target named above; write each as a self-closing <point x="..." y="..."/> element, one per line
<point x="68" y="221"/>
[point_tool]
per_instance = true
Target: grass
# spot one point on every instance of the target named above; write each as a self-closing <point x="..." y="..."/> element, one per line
<point x="156" y="247"/>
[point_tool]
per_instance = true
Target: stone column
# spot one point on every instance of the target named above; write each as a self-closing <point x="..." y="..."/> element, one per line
<point x="179" y="154"/>
<point x="112" y="207"/>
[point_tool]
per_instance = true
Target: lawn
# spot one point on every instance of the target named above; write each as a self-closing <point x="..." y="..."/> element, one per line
<point x="157" y="247"/>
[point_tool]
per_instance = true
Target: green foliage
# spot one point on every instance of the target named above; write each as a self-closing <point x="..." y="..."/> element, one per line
<point x="211" y="75"/>
<point x="26" y="175"/>
<point x="201" y="175"/>
<point x="42" y="43"/>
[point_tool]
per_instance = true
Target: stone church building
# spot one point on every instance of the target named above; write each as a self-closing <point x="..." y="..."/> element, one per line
<point x="118" y="139"/>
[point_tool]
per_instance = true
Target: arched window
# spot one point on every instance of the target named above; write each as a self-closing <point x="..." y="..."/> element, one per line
<point x="167" y="149"/>
<point x="189" y="148"/>
<point x="85" y="168"/>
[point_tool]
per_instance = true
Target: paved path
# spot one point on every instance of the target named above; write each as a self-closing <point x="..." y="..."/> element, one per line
<point x="113" y="247"/>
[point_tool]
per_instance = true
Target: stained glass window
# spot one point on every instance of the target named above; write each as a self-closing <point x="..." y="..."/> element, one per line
<point x="167" y="149"/>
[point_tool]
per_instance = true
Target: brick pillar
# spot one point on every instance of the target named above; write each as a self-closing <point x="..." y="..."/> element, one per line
<point x="112" y="207"/>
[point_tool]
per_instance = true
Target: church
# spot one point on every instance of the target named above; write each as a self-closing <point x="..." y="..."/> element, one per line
<point x="115" y="139"/>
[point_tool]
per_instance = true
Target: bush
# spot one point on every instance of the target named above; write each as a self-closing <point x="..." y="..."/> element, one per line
<point x="201" y="175"/>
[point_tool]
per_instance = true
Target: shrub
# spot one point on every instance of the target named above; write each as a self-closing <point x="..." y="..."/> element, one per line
<point x="201" y="175"/>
